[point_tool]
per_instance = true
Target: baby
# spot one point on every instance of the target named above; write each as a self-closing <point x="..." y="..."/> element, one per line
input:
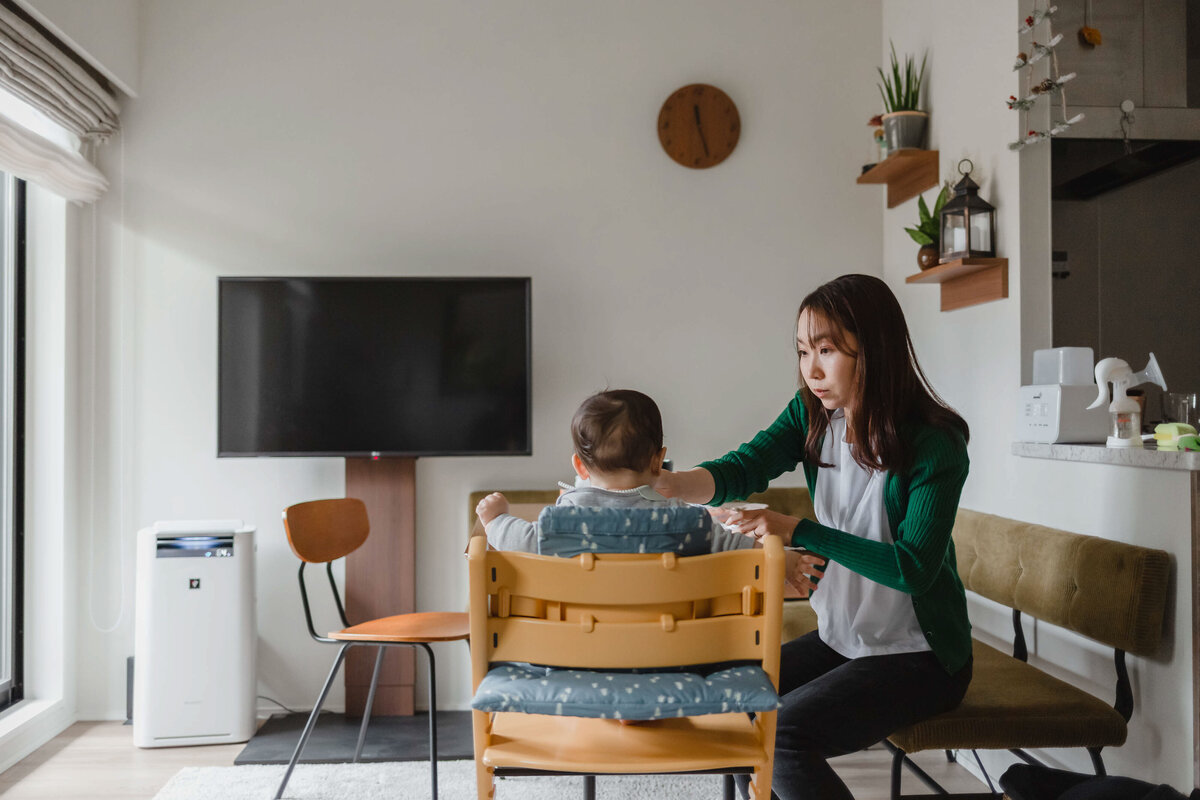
<point x="619" y="451"/>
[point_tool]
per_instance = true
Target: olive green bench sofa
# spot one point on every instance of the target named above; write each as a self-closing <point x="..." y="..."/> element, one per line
<point x="1111" y="592"/>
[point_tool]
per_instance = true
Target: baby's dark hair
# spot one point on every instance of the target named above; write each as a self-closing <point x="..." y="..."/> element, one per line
<point x="617" y="429"/>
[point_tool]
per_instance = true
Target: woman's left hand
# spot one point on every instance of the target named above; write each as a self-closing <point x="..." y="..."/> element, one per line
<point x="763" y="522"/>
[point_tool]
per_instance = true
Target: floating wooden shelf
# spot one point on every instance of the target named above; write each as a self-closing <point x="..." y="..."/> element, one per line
<point x="907" y="173"/>
<point x="967" y="281"/>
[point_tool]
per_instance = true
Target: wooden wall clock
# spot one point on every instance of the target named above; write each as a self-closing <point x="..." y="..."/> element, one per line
<point x="699" y="126"/>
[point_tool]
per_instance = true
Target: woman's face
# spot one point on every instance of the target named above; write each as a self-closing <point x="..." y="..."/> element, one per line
<point x="827" y="371"/>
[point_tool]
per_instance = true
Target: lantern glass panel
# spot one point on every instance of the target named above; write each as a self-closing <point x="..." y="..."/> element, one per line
<point x="981" y="232"/>
<point x="954" y="234"/>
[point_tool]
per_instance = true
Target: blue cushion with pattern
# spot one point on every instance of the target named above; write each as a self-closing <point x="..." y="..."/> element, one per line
<point x="570" y="530"/>
<point x="624" y="695"/>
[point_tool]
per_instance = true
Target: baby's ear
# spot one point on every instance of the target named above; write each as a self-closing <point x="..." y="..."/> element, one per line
<point x="580" y="468"/>
<point x="657" y="461"/>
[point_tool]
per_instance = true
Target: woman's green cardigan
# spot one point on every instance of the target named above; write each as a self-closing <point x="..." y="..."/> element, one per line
<point x="921" y="506"/>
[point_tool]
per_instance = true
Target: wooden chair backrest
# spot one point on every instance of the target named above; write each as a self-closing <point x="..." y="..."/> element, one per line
<point x="323" y="530"/>
<point x="627" y="610"/>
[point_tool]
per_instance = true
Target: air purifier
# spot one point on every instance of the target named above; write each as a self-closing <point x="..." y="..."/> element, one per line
<point x="195" y="635"/>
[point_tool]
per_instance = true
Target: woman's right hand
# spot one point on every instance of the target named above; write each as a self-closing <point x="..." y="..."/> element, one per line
<point x="690" y="485"/>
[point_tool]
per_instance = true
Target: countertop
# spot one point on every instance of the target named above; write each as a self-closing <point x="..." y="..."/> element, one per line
<point x="1148" y="456"/>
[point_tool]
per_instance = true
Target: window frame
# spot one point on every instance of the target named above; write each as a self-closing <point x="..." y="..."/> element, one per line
<point x="13" y="690"/>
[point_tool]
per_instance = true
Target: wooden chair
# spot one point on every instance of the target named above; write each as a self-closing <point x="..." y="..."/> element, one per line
<point x="320" y="532"/>
<point x="616" y="612"/>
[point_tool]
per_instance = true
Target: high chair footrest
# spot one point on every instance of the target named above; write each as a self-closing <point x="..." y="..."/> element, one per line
<point x="533" y="741"/>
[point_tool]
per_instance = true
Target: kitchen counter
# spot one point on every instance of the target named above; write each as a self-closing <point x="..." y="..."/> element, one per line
<point x="1148" y="456"/>
<point x="1153" y="458"/>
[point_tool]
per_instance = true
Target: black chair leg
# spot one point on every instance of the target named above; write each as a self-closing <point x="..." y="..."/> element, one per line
<point x="362" y="730"/>
<point x="589" y="787"/>
<point x="312" y="720"/>
<point x="433" y="766"/>
<point x="727" y="788"/>
<point x="897" y="772"/>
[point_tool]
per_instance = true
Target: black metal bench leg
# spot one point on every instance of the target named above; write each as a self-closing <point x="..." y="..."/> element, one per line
<point x="362" y="729"/>
<point x="589" y="787"/>
<point x="433" y="765"/>
<point x="727" y="788"/>
<point x="312" y="720"/>
<point x="897" y="771"/>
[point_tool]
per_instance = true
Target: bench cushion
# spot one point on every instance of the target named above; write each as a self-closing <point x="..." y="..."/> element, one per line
<point x="1012" y="704"/>
<point x="1110" y="591"/>
<point x="570" y="530"/>
<point x="623" y="695"/>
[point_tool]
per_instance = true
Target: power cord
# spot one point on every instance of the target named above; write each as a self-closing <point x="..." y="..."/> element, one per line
<point x="276" y="702"/>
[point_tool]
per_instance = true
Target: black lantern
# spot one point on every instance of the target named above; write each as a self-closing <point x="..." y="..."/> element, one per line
<point x="968" y="221"/>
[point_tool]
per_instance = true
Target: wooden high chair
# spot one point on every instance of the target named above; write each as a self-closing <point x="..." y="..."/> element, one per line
<point x="616" y="612"/>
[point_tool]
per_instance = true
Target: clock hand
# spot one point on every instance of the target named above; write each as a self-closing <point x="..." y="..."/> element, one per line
<point x="700" y="129"/>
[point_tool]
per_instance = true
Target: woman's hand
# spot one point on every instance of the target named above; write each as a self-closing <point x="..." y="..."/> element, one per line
<point x="691" y="485"/>
<point x="763" y="522"/>
<point x="801" y="568"/>
<point x="491" y="507"/>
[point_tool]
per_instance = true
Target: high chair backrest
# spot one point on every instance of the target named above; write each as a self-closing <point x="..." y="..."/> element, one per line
<point x="617" y="611"/>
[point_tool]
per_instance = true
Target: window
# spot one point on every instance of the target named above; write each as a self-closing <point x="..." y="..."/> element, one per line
<point x="12" y="434"/>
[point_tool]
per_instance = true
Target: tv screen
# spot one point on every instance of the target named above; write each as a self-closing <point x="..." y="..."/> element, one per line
<point x="366" y="366"/>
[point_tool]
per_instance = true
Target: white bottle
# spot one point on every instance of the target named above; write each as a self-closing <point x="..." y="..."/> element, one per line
<point x="1126" y="429"/>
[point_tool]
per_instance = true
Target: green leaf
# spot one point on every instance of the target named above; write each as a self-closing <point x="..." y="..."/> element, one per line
<point x="923" y="209"/>
<point x="942" y="197"/>
<point x="919" y="237"/>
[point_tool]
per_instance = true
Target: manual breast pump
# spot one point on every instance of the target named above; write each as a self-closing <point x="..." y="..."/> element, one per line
<point x="1126" y="430"/>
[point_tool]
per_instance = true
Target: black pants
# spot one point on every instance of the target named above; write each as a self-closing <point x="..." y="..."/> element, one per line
<point x="834" y="705"/>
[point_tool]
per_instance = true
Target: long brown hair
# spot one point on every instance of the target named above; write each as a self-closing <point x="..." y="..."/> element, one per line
<point x="891" y="389"/>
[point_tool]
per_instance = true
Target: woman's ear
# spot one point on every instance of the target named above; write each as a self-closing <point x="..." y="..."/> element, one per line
<point x="580" y="468"/>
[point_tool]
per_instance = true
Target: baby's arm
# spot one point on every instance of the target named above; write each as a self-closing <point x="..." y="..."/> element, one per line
<point x="723" y="539"/>
<point x="504" y="531"/>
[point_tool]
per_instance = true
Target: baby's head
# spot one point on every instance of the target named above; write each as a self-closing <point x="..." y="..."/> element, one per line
<point x="618" y="431"/>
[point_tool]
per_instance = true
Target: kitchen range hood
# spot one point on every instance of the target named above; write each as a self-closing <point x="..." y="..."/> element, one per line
<point x="1085" y="168"/>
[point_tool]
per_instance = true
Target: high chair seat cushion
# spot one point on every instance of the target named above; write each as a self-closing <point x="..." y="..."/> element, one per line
<point x="570" y="530"/>
<point x="624" y="695"/>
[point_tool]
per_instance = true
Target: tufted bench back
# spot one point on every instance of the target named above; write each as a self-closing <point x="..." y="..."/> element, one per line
<point x="1109" y="591"/>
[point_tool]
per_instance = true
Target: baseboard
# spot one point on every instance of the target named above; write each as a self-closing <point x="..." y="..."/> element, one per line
<point x="30" y="725"/>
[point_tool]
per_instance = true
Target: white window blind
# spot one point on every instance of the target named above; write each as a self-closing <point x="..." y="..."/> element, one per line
<point x="34" y="67"/>
<point x="50" y="106"/>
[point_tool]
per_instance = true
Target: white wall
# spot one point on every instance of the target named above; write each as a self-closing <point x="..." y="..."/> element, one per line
<point x="458" y="138"/>
<point x="974" y="358"/>
<point x="105" y="32"/>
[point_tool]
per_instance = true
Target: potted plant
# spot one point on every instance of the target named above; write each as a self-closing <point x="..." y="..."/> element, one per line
<point x="927" y="231"/>
<point x="903" y="121"/>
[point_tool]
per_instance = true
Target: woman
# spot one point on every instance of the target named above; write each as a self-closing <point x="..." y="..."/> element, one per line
<point x="885" y="460"/>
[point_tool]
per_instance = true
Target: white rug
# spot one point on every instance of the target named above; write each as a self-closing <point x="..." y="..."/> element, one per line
<point x="409" y="780"/>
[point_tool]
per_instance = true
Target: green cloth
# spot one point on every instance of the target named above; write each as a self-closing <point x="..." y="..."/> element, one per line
<point x="921" y="506"/>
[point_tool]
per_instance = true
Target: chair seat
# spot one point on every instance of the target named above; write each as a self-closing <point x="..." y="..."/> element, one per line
<point x="1010" y="704"/>
<point x="426" y="626"/>
<point x="534" y="741"/>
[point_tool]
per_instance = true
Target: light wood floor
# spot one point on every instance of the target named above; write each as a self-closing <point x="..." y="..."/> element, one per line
<point x="97" y="761"/>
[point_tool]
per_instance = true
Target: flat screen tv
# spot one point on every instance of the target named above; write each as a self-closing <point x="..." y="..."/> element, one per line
<point x="373" y="366"/>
